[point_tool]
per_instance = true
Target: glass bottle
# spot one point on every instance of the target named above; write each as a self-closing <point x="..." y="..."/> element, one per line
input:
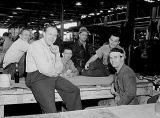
<point x="16" y="74"/>
<point x="157" y="107"/>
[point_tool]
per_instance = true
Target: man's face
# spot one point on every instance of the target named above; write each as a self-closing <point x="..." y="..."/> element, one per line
<point x="83" y="36"/>
<point x="5" y="37"/>
<point x="50" y="35"/>
<point x="113" y="41"/>
<point x="116" y="59"/>
<point x="26" y="35"/>
<point x="67" y="54"/>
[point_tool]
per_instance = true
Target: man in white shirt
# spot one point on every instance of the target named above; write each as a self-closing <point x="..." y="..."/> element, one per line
<point x="43" y="66"/>
<point x="16" y="54"/>
<point x="7" y="41"/>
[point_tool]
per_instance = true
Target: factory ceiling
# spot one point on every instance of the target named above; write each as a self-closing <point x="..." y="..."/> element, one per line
<point x="35" y="13"/>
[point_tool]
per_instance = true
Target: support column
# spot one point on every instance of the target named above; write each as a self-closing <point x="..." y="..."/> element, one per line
<point x="62" y="22"/>
<point x="128" y="33"/>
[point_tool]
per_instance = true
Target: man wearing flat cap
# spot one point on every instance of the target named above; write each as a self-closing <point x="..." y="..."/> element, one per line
<point x="81" y="49"/>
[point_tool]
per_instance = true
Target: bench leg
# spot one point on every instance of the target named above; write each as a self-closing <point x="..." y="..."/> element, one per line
<point x="1" y="111"/>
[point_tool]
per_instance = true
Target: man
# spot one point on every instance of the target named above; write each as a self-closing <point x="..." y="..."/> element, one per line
<point x="16" y="54"/>
<point x="69" y="70"/>
<point x="124" y="86"/>
<point x="103" y="53"/>
<point x="43" y="66"/>
<point x="81" y="49"/>
<point x="7" y="41"/>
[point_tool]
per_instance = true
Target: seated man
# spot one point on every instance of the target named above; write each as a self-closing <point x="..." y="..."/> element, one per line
<point x="7" y="41"/>
<point x="103" y="53"/>
<point x="69" y="70"/>
<point x="16" y="54"/>
<point x="43" y="66"/>
<point x="124" y="86"/>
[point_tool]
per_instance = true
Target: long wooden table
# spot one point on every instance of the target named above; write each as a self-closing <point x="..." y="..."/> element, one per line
<point x="124" y="111"/>
<point x="90" y="88"/>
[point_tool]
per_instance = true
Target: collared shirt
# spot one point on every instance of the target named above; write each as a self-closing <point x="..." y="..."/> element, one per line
<point x="15" y="52"/>
<point x="69" y="65"/>
<point x="125" y="85"/>
<point x="103" y="52"/>
<point x="39" y="57"/>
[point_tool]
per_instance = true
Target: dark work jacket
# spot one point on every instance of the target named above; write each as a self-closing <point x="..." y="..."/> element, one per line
<point x="125" y="86"/>
<point x="80" y="55"/>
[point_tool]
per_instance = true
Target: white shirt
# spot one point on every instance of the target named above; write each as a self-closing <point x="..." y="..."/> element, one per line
<point x="15" y="52"/>
<point x="39" y="57"/>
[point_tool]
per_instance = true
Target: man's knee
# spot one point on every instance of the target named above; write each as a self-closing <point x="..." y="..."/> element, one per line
<point x="76" y="90"/>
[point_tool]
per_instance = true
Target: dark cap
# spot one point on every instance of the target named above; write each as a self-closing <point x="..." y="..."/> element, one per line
<point x="7" y="34"/>
<point x="83" y="29"/>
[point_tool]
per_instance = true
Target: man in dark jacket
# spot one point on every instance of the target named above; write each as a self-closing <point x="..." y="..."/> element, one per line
<point x="81" y="49"/>
<point x="124" y="86"/>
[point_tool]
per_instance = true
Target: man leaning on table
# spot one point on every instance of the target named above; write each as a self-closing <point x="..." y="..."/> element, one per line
<point x="103" y="53"/>
<point x="16" y="54"/>
<point x="124" y="86"/>
<point x="43" y="66"/>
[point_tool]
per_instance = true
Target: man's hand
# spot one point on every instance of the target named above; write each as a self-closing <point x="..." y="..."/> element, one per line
<point x="113" y="90"/>
<point x="66" y="75"/>
<point x="54" y="49"/>
<point x="87" y="66"/>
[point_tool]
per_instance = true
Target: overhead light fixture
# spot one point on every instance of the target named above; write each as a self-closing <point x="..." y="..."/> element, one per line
<point x="83" y="16"/>
<point x="19" y="8"/>
<point x="51" y="14"/>
<point x="10" y="16"/>
<point x="43" y="18"/>
<point x="91" y="14"/>
<point x="101" y="11"/>
<point x="14" y="12"/>
<point x="109" y="11"/>
<point x="149" y="1"/>
<point x="78" y="3"/>
<point x="98" y="13"/>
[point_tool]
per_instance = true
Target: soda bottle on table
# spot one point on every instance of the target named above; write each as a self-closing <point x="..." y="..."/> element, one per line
<point x="16" y="74"/>
<point x="157" y="107"/>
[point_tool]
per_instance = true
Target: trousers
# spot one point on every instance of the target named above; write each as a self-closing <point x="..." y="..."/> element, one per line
<point x="43" y="89"/>
<point x="11" y="68"/>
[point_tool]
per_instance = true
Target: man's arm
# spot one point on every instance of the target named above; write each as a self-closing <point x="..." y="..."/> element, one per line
<point x="129" y="86"/>
<point x="73" y="69"/>
<point x="92" y="59"/>
<point x="58" y="63"/>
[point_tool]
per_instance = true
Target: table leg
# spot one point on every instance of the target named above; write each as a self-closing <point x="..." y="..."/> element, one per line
<point x="1" y="111"/>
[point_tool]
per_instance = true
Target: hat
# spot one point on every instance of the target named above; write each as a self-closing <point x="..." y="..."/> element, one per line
<point x="83" y="29"/>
